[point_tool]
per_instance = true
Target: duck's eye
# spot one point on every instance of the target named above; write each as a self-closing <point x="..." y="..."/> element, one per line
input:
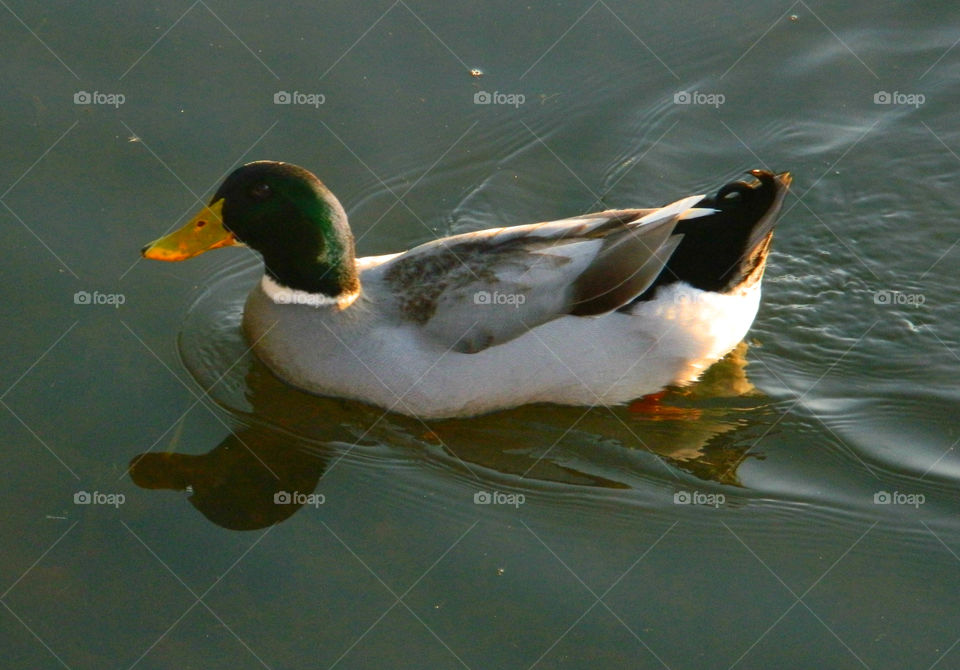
<point x="260" y="191"/>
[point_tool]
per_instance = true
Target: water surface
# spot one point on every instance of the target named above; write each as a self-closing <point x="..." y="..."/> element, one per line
<point x="843" y="396"/>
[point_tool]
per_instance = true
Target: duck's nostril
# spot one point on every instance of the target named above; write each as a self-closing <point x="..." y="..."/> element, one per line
<point x="201" y="224"/>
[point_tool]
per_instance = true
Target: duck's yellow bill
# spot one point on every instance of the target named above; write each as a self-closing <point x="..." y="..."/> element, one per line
<point x="202" y="233"/>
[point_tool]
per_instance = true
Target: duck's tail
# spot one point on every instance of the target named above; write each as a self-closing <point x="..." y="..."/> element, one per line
<point x="727" y="248"/>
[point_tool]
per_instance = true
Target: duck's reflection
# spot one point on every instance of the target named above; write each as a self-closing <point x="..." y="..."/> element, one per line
<point x="255" y="478"/>
<point x="706" y="430"/>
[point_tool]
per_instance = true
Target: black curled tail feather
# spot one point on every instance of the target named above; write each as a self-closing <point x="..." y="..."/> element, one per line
<point x="727" y="248"/>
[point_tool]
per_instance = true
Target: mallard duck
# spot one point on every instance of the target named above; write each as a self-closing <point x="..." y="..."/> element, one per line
<point x="598" y="309"/>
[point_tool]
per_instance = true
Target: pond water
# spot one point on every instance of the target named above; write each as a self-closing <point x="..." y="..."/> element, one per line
<point x="796" y="508"/>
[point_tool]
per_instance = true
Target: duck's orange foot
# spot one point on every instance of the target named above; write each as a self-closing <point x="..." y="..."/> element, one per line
<point x="652" y="407"/>
<point x="431" y="436"/>
<point x="648" y="404"/>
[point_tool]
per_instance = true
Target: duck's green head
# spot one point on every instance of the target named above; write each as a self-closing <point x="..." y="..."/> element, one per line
<point x="282" y="211"/>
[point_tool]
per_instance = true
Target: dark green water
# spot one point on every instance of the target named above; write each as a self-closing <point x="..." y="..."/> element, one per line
<point x="844" y="396"/>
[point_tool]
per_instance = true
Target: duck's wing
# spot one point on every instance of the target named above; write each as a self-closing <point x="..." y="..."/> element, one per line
<point x="473" y="291"/>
